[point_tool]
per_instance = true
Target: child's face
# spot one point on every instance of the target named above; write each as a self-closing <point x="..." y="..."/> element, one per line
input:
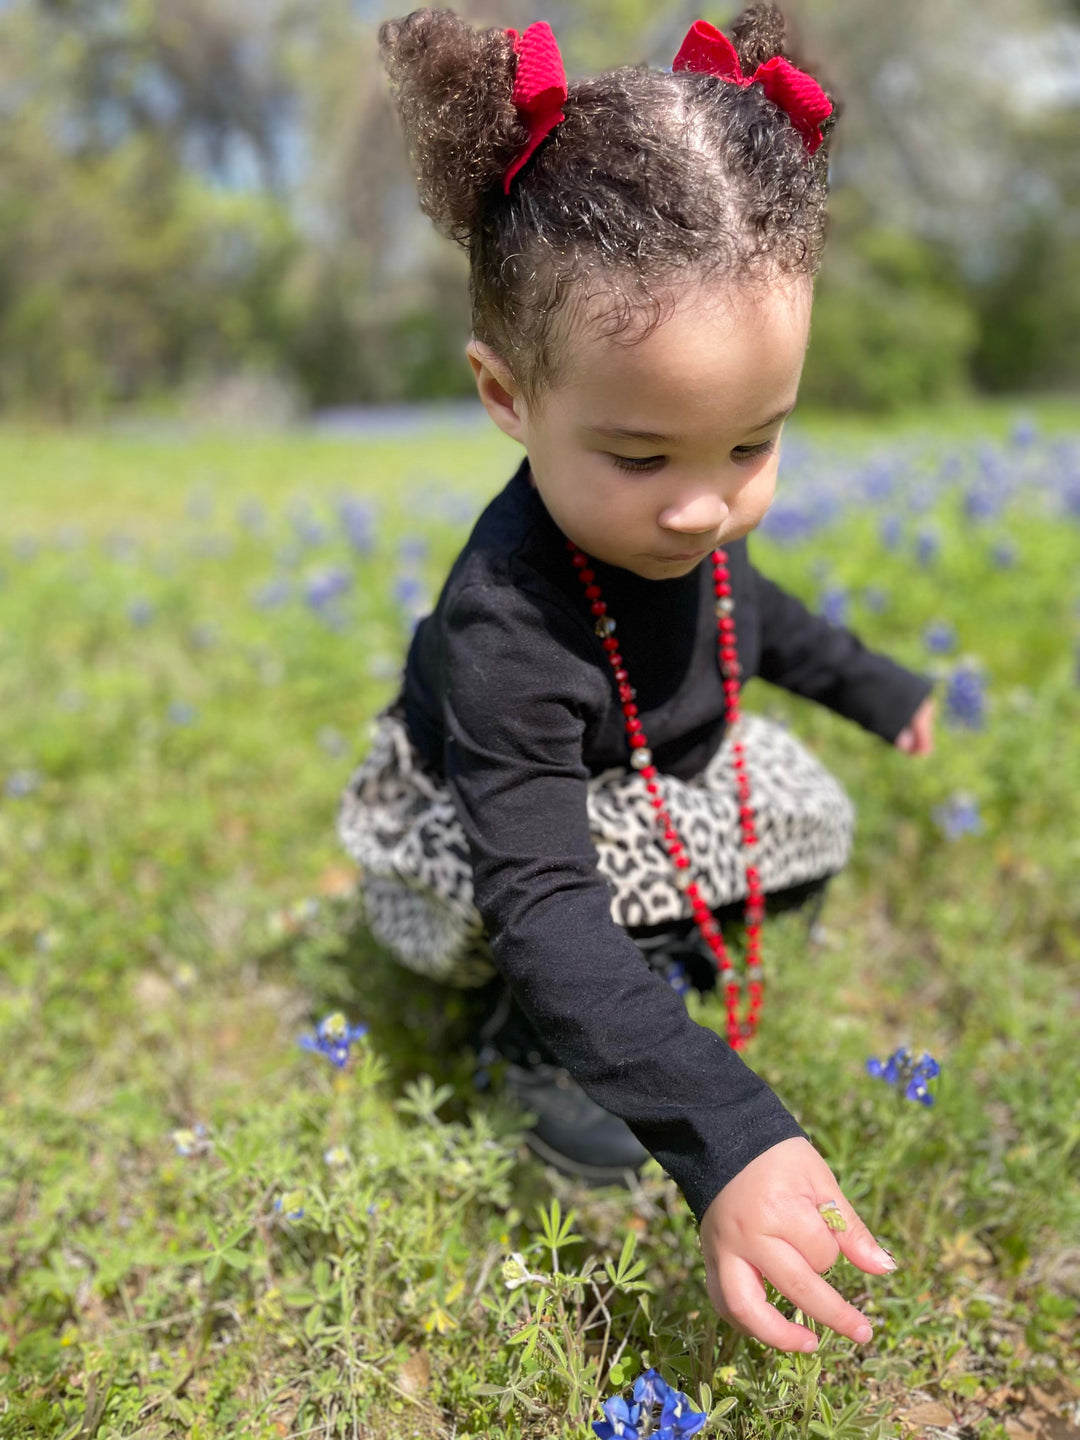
<point x="713" y="383"/>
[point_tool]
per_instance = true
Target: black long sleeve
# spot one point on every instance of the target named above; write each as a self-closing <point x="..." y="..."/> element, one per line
<point x="810" y="656"/>
<point x="519" y="785"/>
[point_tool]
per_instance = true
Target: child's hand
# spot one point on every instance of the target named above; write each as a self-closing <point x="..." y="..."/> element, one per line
<point x="765" y="1222"/>
<point x="915" y="738"/>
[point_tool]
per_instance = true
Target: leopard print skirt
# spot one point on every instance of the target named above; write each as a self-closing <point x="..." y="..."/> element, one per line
<point x="398" y="822"/>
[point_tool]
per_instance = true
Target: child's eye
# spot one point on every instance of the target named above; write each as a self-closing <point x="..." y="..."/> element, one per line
<point x="637" y="467"/>
<point x="750" y="452"/>
<point x="653" y="462"/>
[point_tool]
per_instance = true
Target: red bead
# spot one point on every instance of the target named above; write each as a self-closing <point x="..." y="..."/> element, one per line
<point x="610" y="643"/>
<point x="723" y="588"/>
<point x="638" y="742"/>
<point x="621" y="676"/>
<point x="598" y="607"/>
<point x="629" y="708"/>
<point x="633" y="724"/>
<point x="650" y="772"/>
<point x="682" y="861"/>
<point x="670" y="835"/>
<point x="580" y="560"/>
<point x="587" y="577"/>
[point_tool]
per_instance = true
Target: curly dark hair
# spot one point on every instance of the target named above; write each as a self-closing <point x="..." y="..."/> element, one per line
<point x="651" y="178"/>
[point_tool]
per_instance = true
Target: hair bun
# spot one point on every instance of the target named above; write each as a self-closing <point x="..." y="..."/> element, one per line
<point x="453" y="87"/>
<point x="759" y="34"/>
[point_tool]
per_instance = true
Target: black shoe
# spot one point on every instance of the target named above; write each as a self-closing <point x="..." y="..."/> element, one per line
<point x="571" y="1132"/>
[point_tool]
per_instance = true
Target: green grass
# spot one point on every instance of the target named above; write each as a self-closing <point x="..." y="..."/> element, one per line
<point x="175" y="911"/>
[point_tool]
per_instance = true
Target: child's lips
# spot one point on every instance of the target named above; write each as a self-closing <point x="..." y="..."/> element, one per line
<point x="686" y="555"/>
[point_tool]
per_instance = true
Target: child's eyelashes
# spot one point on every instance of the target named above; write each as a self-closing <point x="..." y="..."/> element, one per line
<point x="653" y="462"/>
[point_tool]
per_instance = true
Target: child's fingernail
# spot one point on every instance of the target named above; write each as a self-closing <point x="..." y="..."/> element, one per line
<point x="864" y="1333"/>
<point x="886" y="1258"/>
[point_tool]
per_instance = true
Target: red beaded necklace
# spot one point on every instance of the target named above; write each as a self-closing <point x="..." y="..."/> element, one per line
<point x="641" y="759"/>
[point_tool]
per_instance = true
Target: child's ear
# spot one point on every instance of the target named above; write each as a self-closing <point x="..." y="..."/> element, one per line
<point x="497" y="388"/>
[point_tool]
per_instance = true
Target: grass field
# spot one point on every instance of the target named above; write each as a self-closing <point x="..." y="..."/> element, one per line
<point x="208" y="1230"/>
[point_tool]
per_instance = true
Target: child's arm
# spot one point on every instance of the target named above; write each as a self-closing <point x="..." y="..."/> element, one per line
<point x="519" y="689"/>
<point x="808" y="655"/>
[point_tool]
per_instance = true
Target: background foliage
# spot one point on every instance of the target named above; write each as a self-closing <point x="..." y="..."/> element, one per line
<point x="192" y="192"/>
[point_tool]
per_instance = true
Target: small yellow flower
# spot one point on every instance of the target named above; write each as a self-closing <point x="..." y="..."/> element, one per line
<point x="830" y="1213"/>
<point x="438" y="1319"/>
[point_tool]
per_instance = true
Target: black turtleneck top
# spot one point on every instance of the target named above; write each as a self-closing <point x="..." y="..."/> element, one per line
<point x="508" y="695"/>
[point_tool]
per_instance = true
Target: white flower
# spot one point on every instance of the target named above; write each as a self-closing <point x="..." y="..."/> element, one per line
<point x="516" y="1272"/>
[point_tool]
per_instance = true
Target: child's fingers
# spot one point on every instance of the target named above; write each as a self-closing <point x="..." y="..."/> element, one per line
<point x="789" y="1271"/>
<point x="738" y="1296"/>
<point x="857" y="1243"/>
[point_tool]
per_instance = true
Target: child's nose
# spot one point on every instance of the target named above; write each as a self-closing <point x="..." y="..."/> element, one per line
<point x="699" y="515"/>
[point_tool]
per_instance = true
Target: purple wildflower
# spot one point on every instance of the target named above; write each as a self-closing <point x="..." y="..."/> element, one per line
<point x="622" y="1419"/>
<point x="980" y="503"/>
<point x="879" y="481"/>
<point x="678" y="1418"/>
<point x="939" y="637"/>
<point x="927" y="546"/>
<point x="272" y="594"/>
<point x="21" y="783"/>
<point x="650" y="1388"/>
<point x="677" y="977"/>
<point x="834" y="605"/>
<point x="965" y="699"/>
<point x="909" y="1075"/>
<point x="309" y="530"/>
<point x="326" y="585"/>
<point x="333" y="1038"/>
<point x="1024" y="434"/>
<point x="140" y="612"/>
<point x="958" y="816"/>
<point x="1004" y="555"/>
<point x="357" y="519"/>
<point x="891" y="532"/>
<point x="787" y="524"/>
<point x="291" y="1204"/>
<point x="409" y="590"/>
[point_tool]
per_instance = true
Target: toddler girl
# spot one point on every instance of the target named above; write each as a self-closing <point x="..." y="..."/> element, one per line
<point x="565" y="777"/>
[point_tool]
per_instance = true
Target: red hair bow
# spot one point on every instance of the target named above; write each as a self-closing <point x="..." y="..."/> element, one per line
<point x="797" y="93"/>
<point x="539" y="88"/>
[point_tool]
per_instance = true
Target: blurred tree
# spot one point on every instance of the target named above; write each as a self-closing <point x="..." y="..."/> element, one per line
<point x="191" y="187"/>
